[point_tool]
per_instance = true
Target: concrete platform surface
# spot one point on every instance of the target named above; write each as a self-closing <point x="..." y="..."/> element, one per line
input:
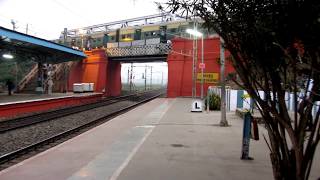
<point x="14" y="98"/>
<point x="160" y="140"/>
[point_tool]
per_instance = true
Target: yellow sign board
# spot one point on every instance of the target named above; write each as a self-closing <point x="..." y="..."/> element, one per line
<point x="208" y="77"/>
<point x="245" y="96"/>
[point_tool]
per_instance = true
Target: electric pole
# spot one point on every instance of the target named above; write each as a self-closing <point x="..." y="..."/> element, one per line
<point x="145" y="78"/>
<point x="27" y="28"/>
<point x="131" y="72"/>
<point x="151" y="79"/>
<point x="128" y="78"/>
<point x="195" y="62"/>
<point x="65" y="34"/>
<point x="13" y="24"/>
<point x="202" y="61"/>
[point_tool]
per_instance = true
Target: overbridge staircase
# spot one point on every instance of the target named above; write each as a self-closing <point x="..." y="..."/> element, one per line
<point x="59" y="74"/>
<point x="29" y="82"/>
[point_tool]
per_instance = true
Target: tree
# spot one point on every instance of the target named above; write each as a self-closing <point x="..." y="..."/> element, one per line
<point x="275" y="49"/>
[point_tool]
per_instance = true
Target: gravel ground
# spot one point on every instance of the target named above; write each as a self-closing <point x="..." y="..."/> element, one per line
<point x="15" y="139"/>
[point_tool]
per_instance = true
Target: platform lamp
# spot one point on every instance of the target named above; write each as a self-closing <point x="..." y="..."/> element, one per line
<point x="9" y="56"/>
<point x="198" y="34"/>
<point x="127" y="39"/>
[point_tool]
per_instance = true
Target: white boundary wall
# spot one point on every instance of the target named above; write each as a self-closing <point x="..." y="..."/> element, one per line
<point x="232" y="99"/>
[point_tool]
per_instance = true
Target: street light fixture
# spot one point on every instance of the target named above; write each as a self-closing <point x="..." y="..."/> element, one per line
<point x="127" y="39"/>
<point x="10" y="56"/>
<point x="198" y="34"/>
<point x="7" y="56"/>
<point x="194" y="32"/>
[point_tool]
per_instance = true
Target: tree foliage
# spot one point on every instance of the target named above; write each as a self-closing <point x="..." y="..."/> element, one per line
<point x="275" y="46"/>
<point x="214" y="102"/>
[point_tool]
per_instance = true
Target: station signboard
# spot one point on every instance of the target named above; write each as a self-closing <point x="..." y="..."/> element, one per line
<point x="210" y="78"/>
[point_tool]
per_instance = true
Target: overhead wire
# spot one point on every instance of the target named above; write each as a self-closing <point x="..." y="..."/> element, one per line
<point x="74" y="13"/>
<point x="20" y="28"/>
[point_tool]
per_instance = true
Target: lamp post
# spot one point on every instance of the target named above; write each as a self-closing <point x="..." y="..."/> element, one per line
<point x="198" y="34"/>
<point x="202" y="61"/>
<point x="82" y="33"/>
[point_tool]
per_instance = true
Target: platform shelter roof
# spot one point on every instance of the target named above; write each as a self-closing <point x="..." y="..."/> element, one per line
<point x="26" y="47"/>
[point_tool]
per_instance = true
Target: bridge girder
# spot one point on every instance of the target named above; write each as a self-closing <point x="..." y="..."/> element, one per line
<point x="154" y="52"/>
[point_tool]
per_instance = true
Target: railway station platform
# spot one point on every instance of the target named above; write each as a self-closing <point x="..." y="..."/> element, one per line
<point x="160" y="140"/>
<point x="23" y="104"/>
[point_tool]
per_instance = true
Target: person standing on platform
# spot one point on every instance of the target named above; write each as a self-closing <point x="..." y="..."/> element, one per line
<point x="10" y="86"/>
<point x="50" y="85"/>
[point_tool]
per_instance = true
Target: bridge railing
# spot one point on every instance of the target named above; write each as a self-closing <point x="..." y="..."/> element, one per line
<point x="142" y="50"/>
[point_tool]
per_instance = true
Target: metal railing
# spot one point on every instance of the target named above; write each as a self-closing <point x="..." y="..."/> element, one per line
<point x="57" y="73"/>
<point x="143" y="50"/>
<point x="27" y="78"/>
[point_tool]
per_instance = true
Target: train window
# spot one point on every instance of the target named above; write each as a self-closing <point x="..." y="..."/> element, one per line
<point x="173" y="30"/>
<point x="153" y="33"/>
<point x="137" y="34"/>
<point x="183" y="29"/>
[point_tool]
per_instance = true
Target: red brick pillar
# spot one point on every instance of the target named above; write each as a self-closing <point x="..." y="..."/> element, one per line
<point x="97" y="69"/>
<point x="94" y="69"/>
<point x="180" y="66"/>
<point x="113" y="87"/>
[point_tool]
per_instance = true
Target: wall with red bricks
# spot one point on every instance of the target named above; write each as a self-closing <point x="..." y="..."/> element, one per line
<point x="180" y="65"/>
<point x="106" y="75"/>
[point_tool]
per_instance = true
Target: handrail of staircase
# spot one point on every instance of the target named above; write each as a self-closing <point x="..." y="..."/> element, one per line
<point x="57" y="73"/>
<point x="60" y="69"/>
<point x="27" y="78"/>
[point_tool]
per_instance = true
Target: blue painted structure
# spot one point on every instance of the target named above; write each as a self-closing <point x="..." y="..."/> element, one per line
<point x="26" y="45"/>
<point x="240" y="98"/>
<point x="246" y="137"/>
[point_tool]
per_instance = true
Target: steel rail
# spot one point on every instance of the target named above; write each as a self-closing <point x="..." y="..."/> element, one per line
<point x="49" y="115"/>
<point x="33" y="147"/>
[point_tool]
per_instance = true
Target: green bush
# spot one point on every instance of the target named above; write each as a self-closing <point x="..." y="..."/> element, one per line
<point x="214" y="102"/>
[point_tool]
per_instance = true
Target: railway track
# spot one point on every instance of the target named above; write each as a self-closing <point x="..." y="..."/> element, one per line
<point x="25" y="152"/>
<point x="46" y="116"/>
